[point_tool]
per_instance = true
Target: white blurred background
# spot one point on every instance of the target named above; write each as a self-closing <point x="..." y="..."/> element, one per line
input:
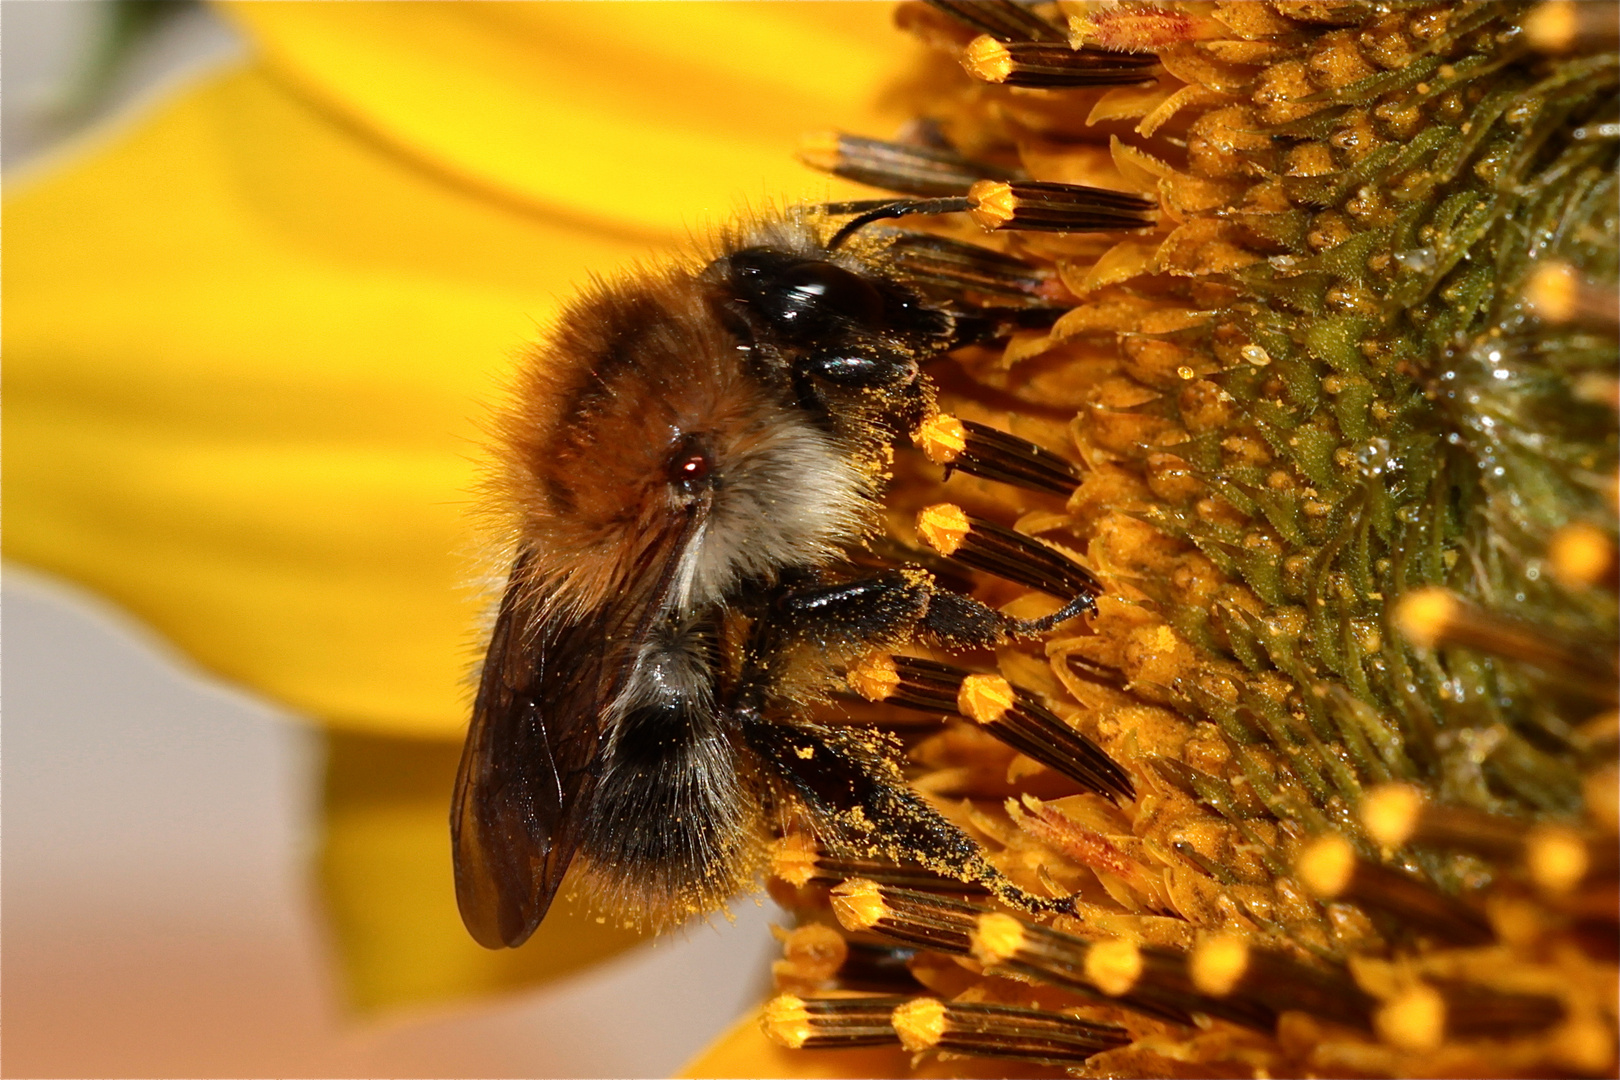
<point x="159" y="912"/>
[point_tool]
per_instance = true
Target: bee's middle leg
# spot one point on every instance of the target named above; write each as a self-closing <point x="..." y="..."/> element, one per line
<point x="884" y="609"/>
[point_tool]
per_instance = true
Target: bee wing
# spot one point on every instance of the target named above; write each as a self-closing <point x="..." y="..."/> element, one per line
<point x="526" y="778"/>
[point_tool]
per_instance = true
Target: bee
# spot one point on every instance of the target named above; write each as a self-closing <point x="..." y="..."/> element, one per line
<point x="696" y="463"/>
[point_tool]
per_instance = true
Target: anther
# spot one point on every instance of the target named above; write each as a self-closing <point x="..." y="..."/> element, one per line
<point x="1433" y="617"/>
<point x="916" y="918"/>
<point x="1555" y="857"/>
<point x="970" y="269"/>
<point x="995" y="549"/>
<point x="1011" y="714"/>
<point x="830" y="1023"/>
<point x="1051" y="65"/>
<point x="1329" y="868"/>
<point x="797" y="860"/>
<point x="1003" y="1031"/>
<point x="1141" y="978"/>
<point x="1044" y="206"/>
<point x="923" y="171"/>
<point x="983" y="451"/>
<point x="1003" y="20"/>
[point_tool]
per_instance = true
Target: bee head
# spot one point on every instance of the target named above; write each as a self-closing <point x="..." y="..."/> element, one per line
<point x="650" y="442"/>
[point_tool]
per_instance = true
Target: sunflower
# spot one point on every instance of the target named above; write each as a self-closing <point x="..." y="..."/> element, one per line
<point x="1346" y="423"/>
<point x="1344" y="415"/>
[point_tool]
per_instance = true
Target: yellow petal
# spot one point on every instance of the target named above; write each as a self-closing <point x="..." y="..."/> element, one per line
<point x="247" y="341"/>
<point x="744" y="1051"/>
<point x="639" y="116"/>
<point x="385" y="872"/>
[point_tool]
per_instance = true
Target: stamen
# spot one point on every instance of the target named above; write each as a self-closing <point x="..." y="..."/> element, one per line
<point x="1039" y="64"/>
<point x="916" y="918"/>
<point x="811" y="954"/>
<point x="1142" y="978"/>
<point x="1225" y="965"/>
<point x="1014" y="717"/>
<point x="995" y="455"/>
<point x="830" y="1023"/>
<point x="996" y="549"/>
<point x="1433" y="617"/>
<point x="1421" y="1016"/>
<point x="1555" y="857"/>
<point x="1011" y="714"/>
<point x="798" y="861"/>
<point x="923" y="171"/>
<point x="1330" y="869"/>
<point x="939" y="260"/>
<point x="1044" y="206"/>
<point x="1001" y="19"/>
<point x="1005" y="1031"/>
<point x="815" y="954"/>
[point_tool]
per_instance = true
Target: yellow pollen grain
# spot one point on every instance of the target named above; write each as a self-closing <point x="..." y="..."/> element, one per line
<point x="1424" y="614"/>
<point x="1556" y="858"/>
<point x="1114" y="966"/>
<point x="786" y="1021"/>
<point x="985" y="698"/>
<point x="988" y="59"/>
<point x="943" y="527"/>
<point x="1579" y="554"/>
<point x="793" y="859"/>
<point x="994" y="203"/>
<point x="1390" y="813"/>
<point x="941" y="439"/>
<point x="1325" y="866"/>
<point x="1218" y="964"/>
<point x="858" y="904"/>
<point x="1254" y="354"/>
<point x="874" y="677"/>
<point x="996" y="937"/>
<point x="920" y="1023"/>
<point x="1414" y="1019"/>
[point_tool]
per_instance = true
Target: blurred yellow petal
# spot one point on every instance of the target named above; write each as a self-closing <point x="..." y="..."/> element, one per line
<point x="385" y="875"/>
<point x="246" y="342"/>
<point x="626" y="116"/>
<point x="745" y="1051"/>
<point x="248" y="338"/>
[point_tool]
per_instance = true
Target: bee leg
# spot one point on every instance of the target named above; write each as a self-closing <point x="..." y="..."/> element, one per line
<point x="882" y="607"/>
<point x="886" y="607"/>
<point x="967" y="623"/>
<point x="860" y="806"/>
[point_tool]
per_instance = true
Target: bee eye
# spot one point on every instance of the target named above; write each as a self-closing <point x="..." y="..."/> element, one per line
<point x="689" y="468"/>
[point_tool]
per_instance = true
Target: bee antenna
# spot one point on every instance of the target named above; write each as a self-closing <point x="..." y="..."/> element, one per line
<point x="897" y="209"/>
